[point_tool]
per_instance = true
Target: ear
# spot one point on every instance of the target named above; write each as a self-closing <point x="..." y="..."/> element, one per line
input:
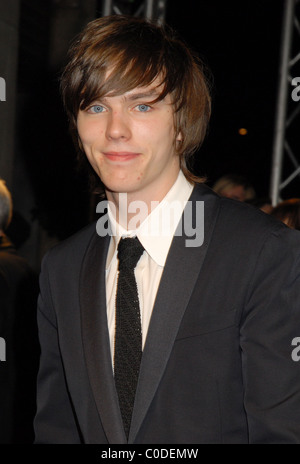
<point x="179" y="137"/>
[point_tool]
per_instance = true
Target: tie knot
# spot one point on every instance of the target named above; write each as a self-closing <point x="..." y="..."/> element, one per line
<point x="129" y="252"/>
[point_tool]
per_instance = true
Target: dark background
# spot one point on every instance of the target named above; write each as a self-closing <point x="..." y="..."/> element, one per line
<point x="240" y="43"/>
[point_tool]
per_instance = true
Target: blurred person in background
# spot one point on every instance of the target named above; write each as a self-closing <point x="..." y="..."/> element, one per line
<point x="18" y="296"/>
<point x="234" y="186"/>
<point x="262" y="203"/>
<point x="288" y="211"/>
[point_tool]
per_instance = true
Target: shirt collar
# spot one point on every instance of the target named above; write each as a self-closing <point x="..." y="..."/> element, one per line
<point x="157" y="230"/>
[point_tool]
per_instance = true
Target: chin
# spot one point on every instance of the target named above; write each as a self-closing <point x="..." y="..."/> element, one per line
<point x="119" y="187"/>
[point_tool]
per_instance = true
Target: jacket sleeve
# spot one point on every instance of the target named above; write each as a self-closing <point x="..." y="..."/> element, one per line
<point x="269" y="325"/>
<point x="55" y="422"/>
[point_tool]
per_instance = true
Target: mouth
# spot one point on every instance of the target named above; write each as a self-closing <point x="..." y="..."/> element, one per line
<point x="120" y="156"/>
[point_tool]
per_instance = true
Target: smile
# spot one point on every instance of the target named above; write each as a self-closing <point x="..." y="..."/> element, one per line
<point x="121" y="156"/>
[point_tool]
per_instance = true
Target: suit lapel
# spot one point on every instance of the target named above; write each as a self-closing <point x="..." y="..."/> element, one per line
<point x="177" y="283"/>
<point x="96" y="338"/>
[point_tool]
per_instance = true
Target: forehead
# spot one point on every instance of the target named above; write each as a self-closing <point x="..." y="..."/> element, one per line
<point x="153" y="92"/>
<point x="154" y="87"/>
<point x="150" y="93"/>
<point x="113" y="85"/>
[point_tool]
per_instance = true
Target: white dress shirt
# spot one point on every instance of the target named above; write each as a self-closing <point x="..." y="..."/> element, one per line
<point x="155" y="234"/>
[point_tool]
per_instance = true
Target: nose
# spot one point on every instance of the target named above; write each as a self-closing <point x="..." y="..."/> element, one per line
<point x="117" y="126"/>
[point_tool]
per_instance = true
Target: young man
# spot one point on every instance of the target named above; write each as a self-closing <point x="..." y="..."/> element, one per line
<point x="210" y="326"/>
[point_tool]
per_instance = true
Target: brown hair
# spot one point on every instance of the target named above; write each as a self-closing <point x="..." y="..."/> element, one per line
<point x="136" y="52"/>
<point x="288" y="211"/>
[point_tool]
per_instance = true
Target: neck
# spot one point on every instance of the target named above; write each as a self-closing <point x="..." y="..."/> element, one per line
<point x="131" y="209"/>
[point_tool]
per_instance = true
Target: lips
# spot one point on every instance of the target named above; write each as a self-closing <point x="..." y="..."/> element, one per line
<point x="121" y="156"/>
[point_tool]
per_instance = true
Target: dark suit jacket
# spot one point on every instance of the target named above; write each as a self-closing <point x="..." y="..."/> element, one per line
<point x="217" y="364"/>
<point x="18" y="297"/>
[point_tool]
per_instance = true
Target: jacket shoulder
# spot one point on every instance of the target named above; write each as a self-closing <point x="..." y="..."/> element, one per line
<point x="238" y="216"/>
<point x="72" y="248"/>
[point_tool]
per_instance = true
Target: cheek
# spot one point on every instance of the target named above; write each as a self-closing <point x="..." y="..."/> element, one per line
<point x="88" y="132"/>
<point x="81" y="131"/>
<point x="159" y="135"/>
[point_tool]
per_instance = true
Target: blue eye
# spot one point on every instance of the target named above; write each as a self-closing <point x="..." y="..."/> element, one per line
<point x="143" y="108"/>
<point x="96" y="109"/>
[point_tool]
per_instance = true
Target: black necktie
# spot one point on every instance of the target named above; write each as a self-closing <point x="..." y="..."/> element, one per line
<point x="128" y="335"/>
